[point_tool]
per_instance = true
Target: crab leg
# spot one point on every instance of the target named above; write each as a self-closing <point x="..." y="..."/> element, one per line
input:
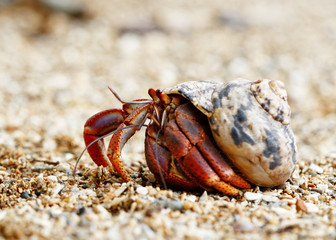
<point x="219" y="164"/>
<point x="201" y="161"/>
<point x="185" y="117"/>
<point x="119" y="138"/>
<point x="192" y="162"/>
<point x="162" y="164"/>
<point x="114" y="120"/>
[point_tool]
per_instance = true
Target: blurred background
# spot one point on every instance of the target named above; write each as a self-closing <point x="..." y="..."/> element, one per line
<point x="58" y="57"/>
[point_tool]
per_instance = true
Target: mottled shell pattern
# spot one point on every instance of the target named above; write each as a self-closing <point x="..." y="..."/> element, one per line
<point x="198" y="93"/>
<point x="250" y="124"/>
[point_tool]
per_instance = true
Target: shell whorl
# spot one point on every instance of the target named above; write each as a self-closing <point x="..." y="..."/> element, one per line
<point x="272" y="96"/>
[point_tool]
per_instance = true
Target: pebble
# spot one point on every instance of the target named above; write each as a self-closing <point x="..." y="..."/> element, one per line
<point x="3" y="214"/>
<point x="332" y="180"/>
<point x="24" y="195"/>
<point x="301" y="206"/>
<point x="301" y="180"/>
<point x="234" y="21"/>
<point x="187" y="205"/>
<point x="268" y="198"/>
<point x="316" y="168"/>
<point x="87" y="192"/>
<point x="52" y="178"/>
<point x="142" y="190"/>
<point x="100" y="194"/>
<point x="63" y="167"/>
<point x="101" y="210"/>
<point x="81" y="210"/>
<point x="280" y="211"/>
<point x="68" y="156"/>
<point x="172" y="204"/>
<point x="56" y="189"/>
<point x="39" y="166"/>
<point x="318" y="190"/>
<point x="49" y="144"/>
<point x="311" y="208"/>
<point x="250" y="196"/>
<point x="203" y="197"/>
<point x="322" y="187"/>
<point x="290" y="201"/>
<point x="40" y="177"/>
<point x="313" y="196"/>
<point x="115" y="201"/>
<point x="151" y="177"/>
<point x="243" y="226"/>
<point x="38" y="193"/>
<point x="74" y="7"/>
<point x="4" y="173"/>
<point x="129" y="44"/>
<point x="191" y="198"/>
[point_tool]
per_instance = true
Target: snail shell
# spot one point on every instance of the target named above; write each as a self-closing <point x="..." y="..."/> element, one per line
<point x="249" y="122"/>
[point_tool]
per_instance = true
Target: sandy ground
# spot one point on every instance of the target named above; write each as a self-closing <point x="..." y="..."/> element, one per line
<point x="56" y="64"/>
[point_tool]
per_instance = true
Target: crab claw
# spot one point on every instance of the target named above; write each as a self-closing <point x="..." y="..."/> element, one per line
<point x="124" y="127"/>
<point x="96" y="126"/>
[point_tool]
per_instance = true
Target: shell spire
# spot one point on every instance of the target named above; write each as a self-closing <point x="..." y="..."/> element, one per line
<point x="272" y="96"/>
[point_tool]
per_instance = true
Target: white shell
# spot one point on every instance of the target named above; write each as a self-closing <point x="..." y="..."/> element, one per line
<point x="257" y="142"/>
<point x="249" y="121"/>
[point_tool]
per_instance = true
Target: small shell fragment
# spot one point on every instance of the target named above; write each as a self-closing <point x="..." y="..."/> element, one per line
<point x="250" y="196"/>
<point x="301" y="206"/>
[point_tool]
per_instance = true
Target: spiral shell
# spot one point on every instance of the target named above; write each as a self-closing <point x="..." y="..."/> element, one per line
<point x="249" y="122"/>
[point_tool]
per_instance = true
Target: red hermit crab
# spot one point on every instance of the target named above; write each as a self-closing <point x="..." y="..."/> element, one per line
<point x="197" y="130"/>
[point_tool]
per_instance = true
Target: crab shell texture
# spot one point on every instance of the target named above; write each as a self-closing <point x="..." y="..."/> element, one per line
<point x="250" y="124"/>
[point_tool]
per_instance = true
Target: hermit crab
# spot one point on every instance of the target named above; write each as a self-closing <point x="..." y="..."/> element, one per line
<point x="203" y="134"/>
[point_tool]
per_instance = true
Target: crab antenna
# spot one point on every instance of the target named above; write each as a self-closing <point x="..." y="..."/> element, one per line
<point x="122" y="101"/>
<point x="101" y="137"/>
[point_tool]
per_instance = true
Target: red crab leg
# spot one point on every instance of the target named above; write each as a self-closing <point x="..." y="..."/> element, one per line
<point x="98" y="125"/>
<point x="197" y="156"/>
<point x="192" y="162"/>
<point x="110" y="120"/>
<point x="118" y="140"/>
<point x="159" y="161"/>
<point x="187" y="121"/>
